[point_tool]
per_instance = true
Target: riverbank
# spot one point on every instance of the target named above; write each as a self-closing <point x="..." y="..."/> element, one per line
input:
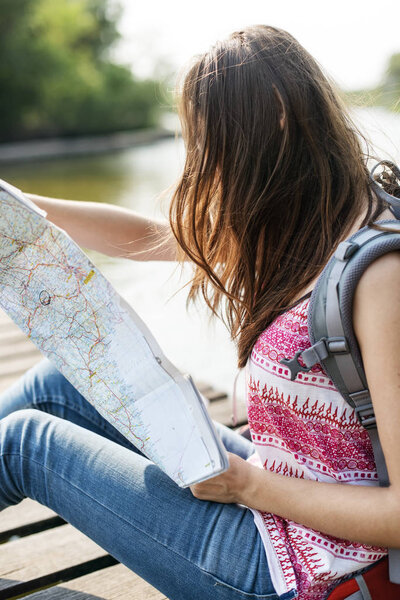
<point x="133" y="179"/>
<point x="85" y="145"/>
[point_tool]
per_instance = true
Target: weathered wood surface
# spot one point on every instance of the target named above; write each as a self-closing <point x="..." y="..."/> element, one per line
<point x="26" y="518"/>
<point x="41" y="557"/>
<point x="27" y="511"/>
<point x="112" y="583"/>
<point x="17" y="353"/>
<point x="61" y="554"/>
<point x="37" y="556"/>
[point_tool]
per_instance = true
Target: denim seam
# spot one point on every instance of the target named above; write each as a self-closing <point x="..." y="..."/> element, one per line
<point x="248" y="594"/>
<point x="217" y="581"/>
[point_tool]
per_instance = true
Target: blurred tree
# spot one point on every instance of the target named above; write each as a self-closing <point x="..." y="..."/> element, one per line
<point x="56" y="77"/>
<point x="393" y="70"/>
<point x="391" y="84"/>
<point x="386" y="94"/>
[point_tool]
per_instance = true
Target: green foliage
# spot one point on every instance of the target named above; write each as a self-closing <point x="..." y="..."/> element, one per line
<point x="391" y="84"/>
<point x="56" y="77"/>
<point x="387" y="94"/>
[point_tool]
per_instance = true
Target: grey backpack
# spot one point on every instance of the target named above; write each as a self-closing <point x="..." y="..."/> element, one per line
<point x="330" y="329"/>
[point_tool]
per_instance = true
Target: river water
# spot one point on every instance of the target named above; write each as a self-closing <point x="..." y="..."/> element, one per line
<point x="134" y="178"/>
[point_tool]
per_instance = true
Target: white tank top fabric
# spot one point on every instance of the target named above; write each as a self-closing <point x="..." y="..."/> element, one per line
<point x="304" y="428"/>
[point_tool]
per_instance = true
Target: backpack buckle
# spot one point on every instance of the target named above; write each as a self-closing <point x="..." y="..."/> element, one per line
<point x="337" y="345"/>
<point x="320" y="351"/>
<point x="365" y="412"/>
<point x="317" y="353"/>
<point x="294" y="366"/>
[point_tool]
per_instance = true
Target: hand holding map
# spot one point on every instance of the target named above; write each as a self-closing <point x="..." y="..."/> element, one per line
<point x="53" y="292"/>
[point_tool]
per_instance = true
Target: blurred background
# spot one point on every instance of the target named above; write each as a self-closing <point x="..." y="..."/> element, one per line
<point x="87" y="113"/>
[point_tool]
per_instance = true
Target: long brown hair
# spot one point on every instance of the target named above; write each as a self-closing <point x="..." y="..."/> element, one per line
<point x="274" y="178"/>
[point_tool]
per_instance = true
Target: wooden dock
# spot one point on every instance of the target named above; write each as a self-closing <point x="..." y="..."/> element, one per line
<point x="41" y="556"/>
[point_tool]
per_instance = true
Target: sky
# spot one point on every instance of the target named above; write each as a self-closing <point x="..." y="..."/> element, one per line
<point x="351" y="39"/>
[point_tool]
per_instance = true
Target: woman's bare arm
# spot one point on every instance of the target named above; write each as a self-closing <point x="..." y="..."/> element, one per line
<point x="370" y="515"/>
<point x="111" y="229"/>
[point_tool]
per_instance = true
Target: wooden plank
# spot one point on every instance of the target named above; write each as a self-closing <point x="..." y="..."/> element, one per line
<point x="15" y="365"/>
<point x="204" y="387"/>
<point x="11" y="333"/>
<point x="37" y="556"/>
<point x="8" y="325"/>
<point x="10" y="328"/>
<point x="113" y="583"/>
<point x="221" y="411"/>
<point x="19" y="521"/>
<point x="214" y="395"/>
<point x="12" y="336"/>
<point x="4" y="318"/>
<point x="21" y="347"/>
<point x="27" y="511"/>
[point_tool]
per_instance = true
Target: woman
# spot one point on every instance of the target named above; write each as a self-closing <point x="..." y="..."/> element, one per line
<point x="274" y="179"/>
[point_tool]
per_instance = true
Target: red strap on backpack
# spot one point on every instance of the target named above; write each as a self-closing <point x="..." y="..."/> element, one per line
<point x="377" y="582"/>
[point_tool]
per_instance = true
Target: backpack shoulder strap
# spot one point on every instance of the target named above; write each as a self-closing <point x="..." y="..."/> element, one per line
<point x="331" y="333"/>
<point x="330" y="315"/>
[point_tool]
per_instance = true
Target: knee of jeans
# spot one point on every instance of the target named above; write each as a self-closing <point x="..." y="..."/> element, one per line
<point x="42" y="379"/>
<point x="20" y="428"/>
<point x="23" y="393"/>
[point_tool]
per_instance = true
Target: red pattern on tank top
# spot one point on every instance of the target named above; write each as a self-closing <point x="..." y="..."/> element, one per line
<point x="305" y="429"/>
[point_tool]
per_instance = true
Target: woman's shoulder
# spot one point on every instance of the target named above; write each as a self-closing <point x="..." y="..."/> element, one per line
<point x="376" y="304"/>
<point x="380" y="282"/>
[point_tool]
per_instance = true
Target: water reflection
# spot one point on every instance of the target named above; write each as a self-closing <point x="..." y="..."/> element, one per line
<point x="134" y="179"/>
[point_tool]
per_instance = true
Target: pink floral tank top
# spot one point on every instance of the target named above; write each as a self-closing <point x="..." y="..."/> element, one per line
<point x="304" y="428"/>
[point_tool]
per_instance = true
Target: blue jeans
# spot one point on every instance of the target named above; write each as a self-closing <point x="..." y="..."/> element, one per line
<point x="57" y="449"/>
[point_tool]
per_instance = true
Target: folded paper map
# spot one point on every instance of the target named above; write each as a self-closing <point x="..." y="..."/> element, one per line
<point x="62" y="302"/>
